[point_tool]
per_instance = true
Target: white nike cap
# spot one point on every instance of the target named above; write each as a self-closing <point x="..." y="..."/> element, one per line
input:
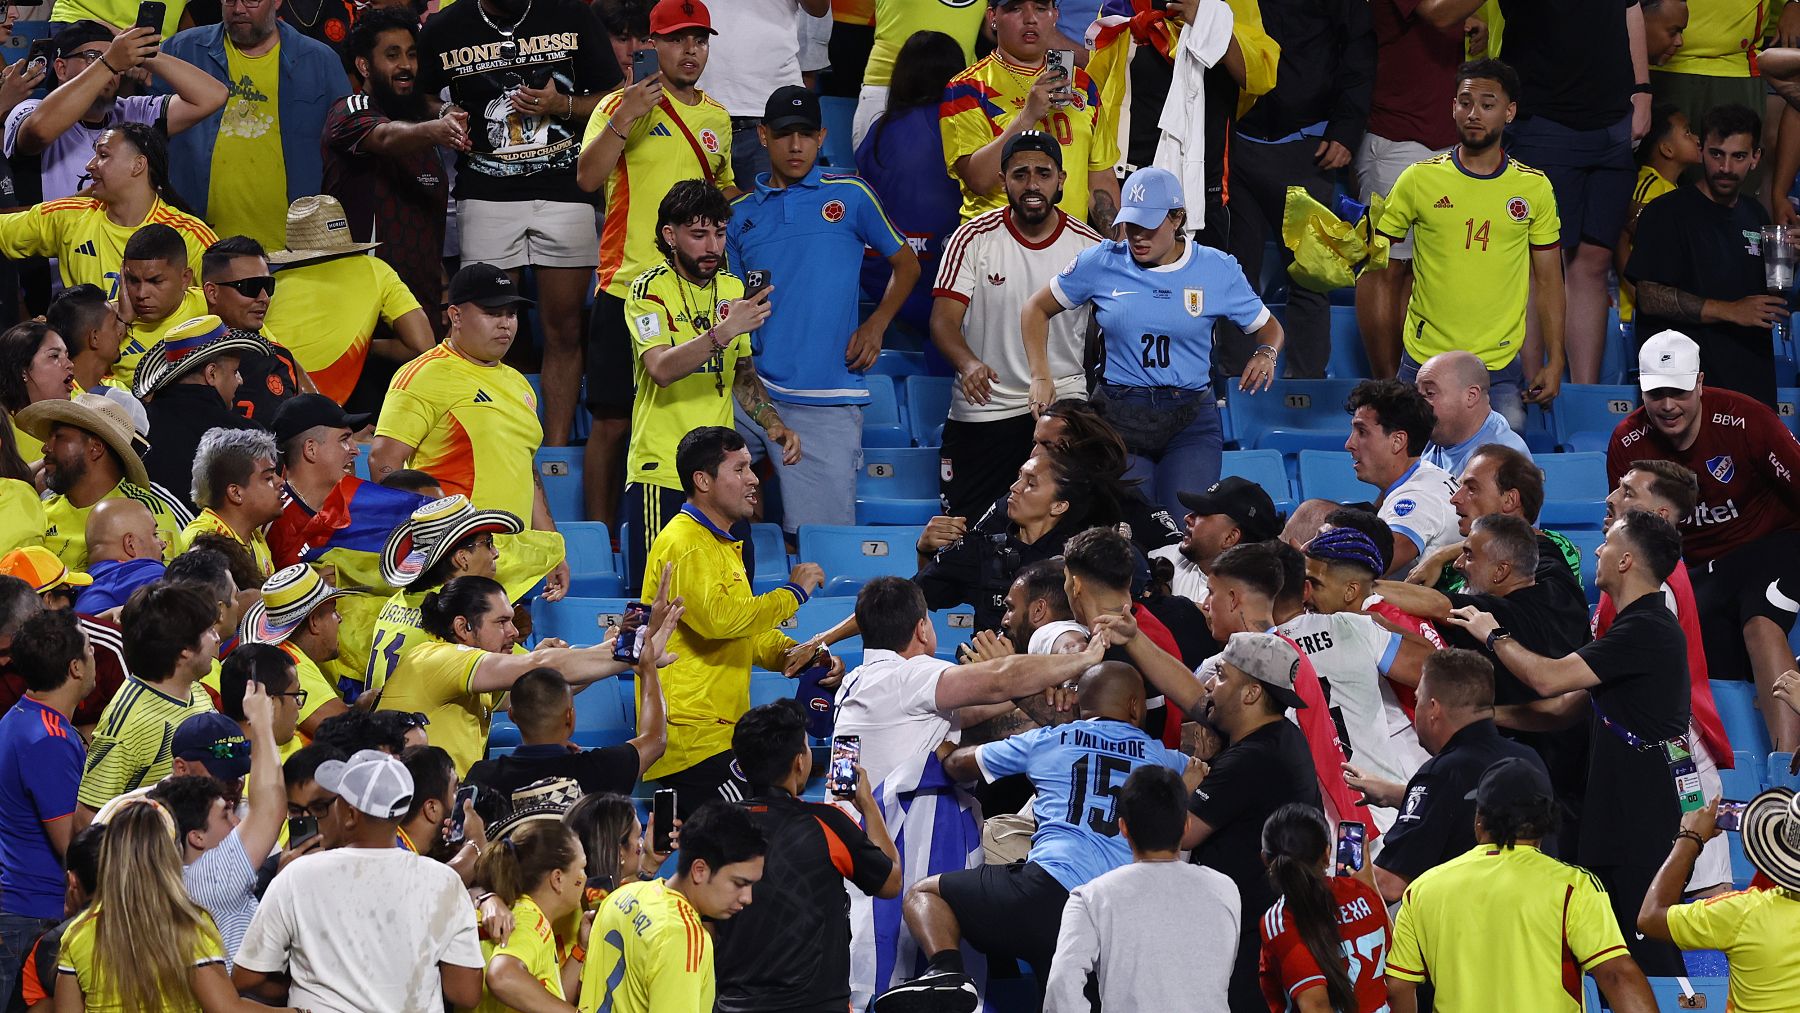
<point x="1668" y="359"/>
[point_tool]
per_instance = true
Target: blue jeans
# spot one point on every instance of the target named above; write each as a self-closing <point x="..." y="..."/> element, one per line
<point x="1188" y="461"/>
<point x="17" y="934"/>
<point x="821" y="489"/>
<point x="1506" y="388"/>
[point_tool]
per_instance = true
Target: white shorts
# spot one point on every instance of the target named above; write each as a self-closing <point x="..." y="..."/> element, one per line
<point x="1379" y="163"/>
<point x="531" y="233"/>
<point x="871" y="102"/>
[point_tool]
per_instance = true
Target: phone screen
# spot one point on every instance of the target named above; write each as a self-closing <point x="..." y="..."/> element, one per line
<point x="846" y="753"/>
<point x="1350" y="839"/>
<point x="630" y="645"/>
<point x="466" y="793"/>
<point x="1731" y="814"/>
<point x="662" y="821"/>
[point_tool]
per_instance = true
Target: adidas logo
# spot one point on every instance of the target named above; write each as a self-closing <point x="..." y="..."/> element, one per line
<point x="996" y="279"/>
<point x="481" y="397"/>
<point x="1443" y="202"/>
<point x="661" y="130"/>
<point x="87" y="248"/>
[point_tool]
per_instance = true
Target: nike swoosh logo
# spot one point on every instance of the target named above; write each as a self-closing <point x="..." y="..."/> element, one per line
<point x="1117" y="293"/>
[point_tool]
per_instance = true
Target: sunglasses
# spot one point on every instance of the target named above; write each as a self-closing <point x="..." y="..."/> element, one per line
<point x="251" y="288"/>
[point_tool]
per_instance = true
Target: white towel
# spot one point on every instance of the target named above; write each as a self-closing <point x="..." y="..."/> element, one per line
<point x="1182" y="149"/>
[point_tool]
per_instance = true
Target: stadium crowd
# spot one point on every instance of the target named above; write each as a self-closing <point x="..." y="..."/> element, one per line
<point x="325" y="690"/>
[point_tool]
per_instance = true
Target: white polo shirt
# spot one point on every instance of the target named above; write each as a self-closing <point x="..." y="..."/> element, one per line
<point x="890" y="702"/>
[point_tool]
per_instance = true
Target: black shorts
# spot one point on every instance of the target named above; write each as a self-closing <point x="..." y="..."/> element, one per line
<point x="716" y="776"/>
<point x="1759" y="579"/>
<point x="980" y="460"/>
<point x="611" y="382"/>
<point x="1590" y="171"/>
<point x="1008" y="910"/>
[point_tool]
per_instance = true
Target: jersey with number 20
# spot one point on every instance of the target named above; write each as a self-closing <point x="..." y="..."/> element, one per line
<point x="1078" y="770"/>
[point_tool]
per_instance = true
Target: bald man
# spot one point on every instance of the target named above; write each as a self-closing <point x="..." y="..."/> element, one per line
<point x="1014" y="911"/>
<point x="1306" y="521"/>
<point x="124" y="553"/>
<point x="1456" y="384"/>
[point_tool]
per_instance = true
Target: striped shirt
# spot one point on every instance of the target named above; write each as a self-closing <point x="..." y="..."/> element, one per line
<point x="134" y="744"/>
<point x="223" y="881"/>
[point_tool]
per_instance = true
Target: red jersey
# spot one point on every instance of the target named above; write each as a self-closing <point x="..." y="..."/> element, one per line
<point x="109" y="672"/>
<point x="1327" y="749"/>
<point x="1406" y="696"/>
<point x="1705" y="711"/>
<point x="1746" y="462"/>
<point x="1158" y="634"/>
<point x="1288" y="968"/>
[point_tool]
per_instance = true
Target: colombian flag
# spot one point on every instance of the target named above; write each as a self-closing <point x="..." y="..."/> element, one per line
<point x="346" y="533"/>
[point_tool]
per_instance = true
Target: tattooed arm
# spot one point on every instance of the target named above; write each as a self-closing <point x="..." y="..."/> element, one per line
<point x="753" y="398"/>
<point x="1103" y="202"/>
<point x="1667" y="301"/>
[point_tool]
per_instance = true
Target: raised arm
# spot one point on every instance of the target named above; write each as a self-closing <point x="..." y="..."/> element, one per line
<point x="1016" y="675"/>
<point x="601" y="155"/>
<point x="197" y="93"/>
<point x="1424" y="602"/>
<point x="1161" y="669"/>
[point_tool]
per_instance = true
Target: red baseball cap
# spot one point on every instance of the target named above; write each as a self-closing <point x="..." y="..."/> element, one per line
<point x="671" y="16"/>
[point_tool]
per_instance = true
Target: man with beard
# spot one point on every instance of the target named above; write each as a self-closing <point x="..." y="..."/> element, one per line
<point x="381" y="159"/>
<point x="1485" y="234"/>
<point x="61" y="127"/>
<point x="1697" y="262"/>
<point x="800" y="221"/>
<point x="992" y="264"/>
<point x="1233" y="511"/>
<point x="240" y="167"/>
<point x="690" y="327"/>
<point x="91" y="453"/>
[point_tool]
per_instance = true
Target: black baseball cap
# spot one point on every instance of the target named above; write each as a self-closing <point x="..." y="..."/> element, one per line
<point x="1243" y="501"/>
<point x="1511" y="781"/>
<point x="78" y="34"/>
<point x="485" y="285"/>
<point x="1031" y="140"/>
<point x="305" y="411"/>
<point x="792" y="106"/>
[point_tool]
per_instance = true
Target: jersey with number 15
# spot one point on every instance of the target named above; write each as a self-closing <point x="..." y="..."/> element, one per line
<point x="1078" y="770"/>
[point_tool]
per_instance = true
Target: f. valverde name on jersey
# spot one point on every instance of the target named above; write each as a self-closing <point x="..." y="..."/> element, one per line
<point x="1132" y="748"/>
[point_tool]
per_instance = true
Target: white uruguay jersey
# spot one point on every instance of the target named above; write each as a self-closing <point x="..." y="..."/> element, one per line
<point x="1352" y="653"/>
<point x="1418" y="507"/>
<point x="991" y="269"/>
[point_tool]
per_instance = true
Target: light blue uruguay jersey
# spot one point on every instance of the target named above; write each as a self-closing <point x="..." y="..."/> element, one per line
<point x="1157" y="322"/>
<point x="811" y="237"/>
<point x="1078" y="770"/>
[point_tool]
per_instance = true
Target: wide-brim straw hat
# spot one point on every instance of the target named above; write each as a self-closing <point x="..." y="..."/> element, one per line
<point x="317" y="228"/>
<point x="433" y="531"/>
<point x="547" y="799"/>
<point x="1771" y="829"/>
<point x="98" y="414"/>
<point x="288" y="598"/>
<point x="186" y="347"/>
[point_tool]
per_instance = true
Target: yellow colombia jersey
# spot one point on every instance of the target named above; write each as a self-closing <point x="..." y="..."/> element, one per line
<point x="668" y="144"/>
<point x="327" y="312"/>
<point x="1472" y="242"/>
<point x="981" y="101"/>
<point x="1756" y="929"/>
<point x="532" y="943"/>
<point x="397" y="632"/>
<point x="897" y="20"/>
<point x="31" y="449"/>
<point x="133" y="743"/>
<point x="1556" y="919"/>
<point x="433" y="679"/>
<point x="22" y="520"/>
<point x="474" y="427"/>
<point x="726" y="630"/>
<point x="67" y="534"/>
<point x="87" y="246"/>
<point x="664" y="310"/>
<point x="77" y="959"/>
<point x="211" y="523"/>
<point x="648" y="953"/>
<point x="142" y="335"/>
<point x="1650" y="185"/>
<point x="1719" y="39"/>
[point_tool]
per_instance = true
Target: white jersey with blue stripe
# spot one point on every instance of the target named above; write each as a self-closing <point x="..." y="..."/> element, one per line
<point x="1157" y="322"/>
<point x="1078" y="770"/>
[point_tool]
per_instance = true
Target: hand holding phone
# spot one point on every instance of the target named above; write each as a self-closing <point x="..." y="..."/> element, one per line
<point x="643" y="65"/>
<point x="1730" y="815"/>
<point x="755" y="283"/>
<point x="846" y="754"/>
<point x="150" y="15"/>
<point x="301" y="829"/>
<point x="1351" y="837"/>
<point x="464" y="795"/>
<point x="662" y="821"/>
<point x="634" y="629"/>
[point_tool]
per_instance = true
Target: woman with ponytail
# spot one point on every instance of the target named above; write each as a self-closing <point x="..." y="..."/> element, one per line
<point x="613" y="837"/>
<point x="144" y="946"/>
<point x="538" y="870"/>
<point x="1325" y="939"/>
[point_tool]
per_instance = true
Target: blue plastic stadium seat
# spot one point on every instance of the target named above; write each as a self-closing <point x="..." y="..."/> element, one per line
<point x="362" y="462"/>
<point x="559" y="469"/>
<point x="838" y="114"/>
<point x="1744" y="780"/>
<point x="1574" y="490"/>
<point x="1587" y="542"/>
<point x="1265" y="468"/>
<point x="1540" y="429"/>
<point x="1779" y="775"/>
<point x="593" y="572"/>
<point x="897" y="485"/>
<point x="503" y="735"/>
<point x="1708" y="993"/>
<point x="1292" y="415"/>
<point x="882" y="425"/>
<point x="580" y="621"/>
<point x="604" y="715"/>
<point x="772" y="566"/>
<point x="1786" y="401"/>
<point x="1705" y="963"/>
<point x="1329" y="474"/>
<point x="927" y="406"/>
<point x="1349" y="360"/>
<point x="1587" y="414"/>
<point x="955" y="627"/>
<point x="894" y="362"/>
<point x="768" y="687"/>
<point x="854" y="554"/>
<point x="1743" y="723"/>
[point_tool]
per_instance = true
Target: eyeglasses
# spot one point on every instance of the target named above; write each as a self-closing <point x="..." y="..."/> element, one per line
<point x="250" y="288"/>
<point x="318" y="808"/>
<point x="89" y="55"/>
<point x="299" y="696"/>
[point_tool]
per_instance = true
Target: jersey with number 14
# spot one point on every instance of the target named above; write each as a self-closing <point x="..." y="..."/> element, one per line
<point x="1078" y="770"/>
<point x="1472" y="242"/>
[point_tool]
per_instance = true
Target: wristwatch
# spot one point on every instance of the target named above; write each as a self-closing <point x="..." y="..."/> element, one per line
<point x="1500" y="633"/>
